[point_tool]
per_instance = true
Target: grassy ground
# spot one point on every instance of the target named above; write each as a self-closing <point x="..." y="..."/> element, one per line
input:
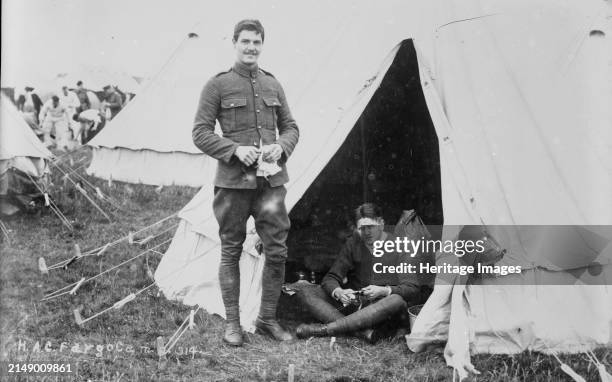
<point x="120" y="345"/>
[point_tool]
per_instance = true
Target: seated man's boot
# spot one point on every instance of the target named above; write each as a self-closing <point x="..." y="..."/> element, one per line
<point x="272" y="279"/>
<point x="369" y="316"/>
<point x="274" y="330"/>
<point x="311" y="330"/>
<point x="233" y="333"/>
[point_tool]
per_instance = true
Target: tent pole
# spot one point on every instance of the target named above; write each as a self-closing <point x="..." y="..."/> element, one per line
<point x="364" y="175"/>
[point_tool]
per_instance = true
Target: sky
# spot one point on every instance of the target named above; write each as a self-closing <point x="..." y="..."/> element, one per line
<point x="41" y="38"/>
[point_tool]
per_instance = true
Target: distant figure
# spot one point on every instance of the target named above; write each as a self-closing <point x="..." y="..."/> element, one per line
<point x="71" y="102"/>
<point x="81" y="93"/>
<point x="113" y="101"/>
<point x="54" y="117"/>
<point x="91" y="122"/>
<point x="30" y="103"/>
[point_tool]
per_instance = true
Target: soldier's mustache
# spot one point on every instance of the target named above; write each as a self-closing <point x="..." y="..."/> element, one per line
<point x="254" y="53"/>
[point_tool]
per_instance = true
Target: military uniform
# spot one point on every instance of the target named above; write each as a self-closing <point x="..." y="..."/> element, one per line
<point x="355" y="265"/>
<point x="252" y="110"/>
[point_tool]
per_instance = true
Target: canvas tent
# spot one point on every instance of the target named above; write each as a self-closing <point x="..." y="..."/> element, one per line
<point x="515" y="95"/>
<point x="22" y="154"/>
<point x="142" y="144"/>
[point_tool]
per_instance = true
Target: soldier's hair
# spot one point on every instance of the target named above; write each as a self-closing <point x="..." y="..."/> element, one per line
<point x="248" y="25"/>
<point x="55" y="98"/>
<point x="368" y="210"/>
<point x="79" y="83"/>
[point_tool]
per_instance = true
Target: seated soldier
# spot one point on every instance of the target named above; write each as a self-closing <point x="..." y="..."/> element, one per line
<point x="382" y="297"/>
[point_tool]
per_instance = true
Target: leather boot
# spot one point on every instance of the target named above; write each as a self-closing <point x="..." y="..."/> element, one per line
<point x="229" y="280"/>
<point x="369" y="316"/>
<point x="272" y="280"/>
<point x="311" y="330"/>
<point x="233" y="334"/>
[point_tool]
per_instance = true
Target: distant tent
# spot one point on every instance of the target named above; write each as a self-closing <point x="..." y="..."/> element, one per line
<point x="522" y="135"/>
<point x="23" y="158"/>
<point x="142" y="144"/>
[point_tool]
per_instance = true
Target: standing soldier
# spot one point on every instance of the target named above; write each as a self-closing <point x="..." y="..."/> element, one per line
<point x="251" y="107"/>
<point x="81" y="93"/>
<point x="113" y="101"/>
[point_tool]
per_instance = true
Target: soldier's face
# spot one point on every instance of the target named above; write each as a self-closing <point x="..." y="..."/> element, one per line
<point x="370" y="233"/>
<point x="248" y="47"/>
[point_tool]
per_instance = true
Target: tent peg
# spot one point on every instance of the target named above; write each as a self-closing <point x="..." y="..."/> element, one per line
<point x="161" y="347"/>
<point x="77" y="317"/>
<point x="103" y="249"/>
<point x="77" y="286"/>
<point x="42" y="266"/>
<point x="77" y="251"/>
<point x="192" y="319"/>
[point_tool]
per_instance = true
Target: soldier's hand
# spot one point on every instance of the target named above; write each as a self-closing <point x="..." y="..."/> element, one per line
<point x="247" y="154"/>
<point x="372" y="292"/>
<point x="345" y="296"/>
<point x="271" y="153"/>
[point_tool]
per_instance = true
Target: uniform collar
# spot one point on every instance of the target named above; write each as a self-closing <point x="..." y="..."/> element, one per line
<point x="244" y="70"/>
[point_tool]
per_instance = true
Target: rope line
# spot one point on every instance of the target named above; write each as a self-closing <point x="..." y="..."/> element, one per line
<point x="95" y="189"/>
<point x="124" y="238"/>
<point x="52" y="205"/>
<point x="173" y="340"/>
<point x="96" y="251"/>
<point x="117" y="305"/>
<point x="58" y="293"/>
<point x="84" y="193"/>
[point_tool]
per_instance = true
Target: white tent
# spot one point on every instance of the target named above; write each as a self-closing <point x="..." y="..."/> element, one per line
<point x="20" y="150"/>
<point x="521" y="113"/>
<point x="150" y="139"/>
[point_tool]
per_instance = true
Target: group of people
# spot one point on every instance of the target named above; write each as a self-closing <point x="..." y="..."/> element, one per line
<point x="68" y="117"/>
<point x="258" y="136"/>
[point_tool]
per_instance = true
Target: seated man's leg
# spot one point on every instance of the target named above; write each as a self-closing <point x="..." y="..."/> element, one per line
<point x="319" y="304"/>
<point x="325" y="309"/>
<point x="365" y="318"/>
<point x="369" y="316"/>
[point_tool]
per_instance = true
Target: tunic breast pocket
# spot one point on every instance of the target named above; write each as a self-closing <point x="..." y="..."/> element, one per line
<point x="232" y="109"/>
<point x="272" y="104"/>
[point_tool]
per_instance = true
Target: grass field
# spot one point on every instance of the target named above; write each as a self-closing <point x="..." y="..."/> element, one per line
<point x="120" y="345"/>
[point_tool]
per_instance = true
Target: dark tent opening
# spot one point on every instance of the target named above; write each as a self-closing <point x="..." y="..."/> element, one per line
<point x="389" y="158"/>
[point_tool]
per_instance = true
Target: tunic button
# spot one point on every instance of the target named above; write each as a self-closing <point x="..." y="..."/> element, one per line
<point x="253" y="81"/>
<point x="232" y="104"/>
<point x="256" y="95"/>
<point x="257" y="110"/>
<point x="259" y="127"/>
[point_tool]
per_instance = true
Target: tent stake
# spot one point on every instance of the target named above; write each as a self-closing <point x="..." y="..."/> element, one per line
<point x="42" y="266"/>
